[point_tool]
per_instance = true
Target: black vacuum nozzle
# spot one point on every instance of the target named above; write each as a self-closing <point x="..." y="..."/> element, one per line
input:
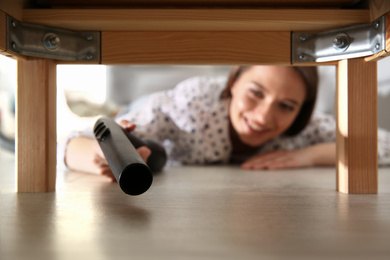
<point x="119" y="147"/>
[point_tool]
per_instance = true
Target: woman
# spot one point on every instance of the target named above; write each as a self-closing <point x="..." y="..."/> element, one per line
<point x="268" y="102"/>
<point x="260" y="118"/>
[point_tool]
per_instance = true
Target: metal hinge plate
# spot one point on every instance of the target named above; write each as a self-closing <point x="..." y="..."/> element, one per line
<point x="345" y="43"/>
<point x="52" y="43"/>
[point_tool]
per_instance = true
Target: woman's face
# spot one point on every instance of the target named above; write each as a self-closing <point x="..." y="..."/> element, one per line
<point x="265" y="102"/>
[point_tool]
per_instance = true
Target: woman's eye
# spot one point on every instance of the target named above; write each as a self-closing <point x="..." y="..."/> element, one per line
<point x="287" y="107"/>
<point x="257" y="93"/>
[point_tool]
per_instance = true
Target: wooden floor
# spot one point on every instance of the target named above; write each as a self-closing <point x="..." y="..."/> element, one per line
<point x="196" y="213"/>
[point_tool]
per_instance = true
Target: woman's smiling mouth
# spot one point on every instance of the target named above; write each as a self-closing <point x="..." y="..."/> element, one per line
<point x="255" y="127"/>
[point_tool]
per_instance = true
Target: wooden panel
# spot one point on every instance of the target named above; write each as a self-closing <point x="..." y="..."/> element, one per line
<point x="200" y="3"/>
<point x="388" y="33"/>
<point x="36" y="125"/>
<point x="195" y="20"/>
<point x="378" y="8"/>
<point x="195" y="47"/>
<point x="357" y="170"/>
<point x="3" y="30"/>
<point x="13" y="7"/>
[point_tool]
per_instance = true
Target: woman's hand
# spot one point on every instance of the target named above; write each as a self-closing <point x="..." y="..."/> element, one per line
<point x="320" y="154"/>
<point x="100" y="160"/>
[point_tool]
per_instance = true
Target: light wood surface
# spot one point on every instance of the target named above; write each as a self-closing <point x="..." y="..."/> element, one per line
<point x="195" y="48"/>
<point x="36" y="125"/>
<point x="213" y="212"/>
<point x="357" y="125"/>
<point x="196" y="20"/>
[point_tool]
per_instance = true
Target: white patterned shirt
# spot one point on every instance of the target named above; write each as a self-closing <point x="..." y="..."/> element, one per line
<point x="193" y="124"/>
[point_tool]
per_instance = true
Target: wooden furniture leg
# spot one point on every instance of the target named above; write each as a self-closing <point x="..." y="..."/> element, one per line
<point x="357" y="127"/>
<point x="36" y="125"/>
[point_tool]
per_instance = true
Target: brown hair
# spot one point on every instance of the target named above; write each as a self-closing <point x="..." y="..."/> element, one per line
<point x="310" y="78"/>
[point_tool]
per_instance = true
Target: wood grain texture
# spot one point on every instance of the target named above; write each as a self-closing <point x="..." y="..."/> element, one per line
<point x="3" y="32"/>
<point x="198" y="213"/>
<point x="356" y="105"/>
<point x="378" y="8"/>
<point x="36" y="125"/>
<point x="196" y="19"/>
<point x="387" y="33"/>
<point x="13" y="7"/>
<point x="198" y="3"/>
<point x="207" y="48"/>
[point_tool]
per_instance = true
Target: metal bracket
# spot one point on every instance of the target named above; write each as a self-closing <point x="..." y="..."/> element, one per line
<point x="52" y="43"/>
<point x="345" y="43"/>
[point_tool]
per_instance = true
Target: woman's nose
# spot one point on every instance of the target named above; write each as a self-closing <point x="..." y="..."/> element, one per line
<point x="264" y="113"/>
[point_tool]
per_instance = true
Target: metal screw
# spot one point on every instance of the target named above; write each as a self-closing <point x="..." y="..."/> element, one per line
<point x="89" y="56"/>
<point x="14" y="23"/>
<point x="341" y="41"/>
<point x="377" y="46"/>
<point x="302" y="38"/>
<point x="302" y="56"/>
<point x="89" y="37"/>
<point x="337" y="42"/>
<point x="51" y="41"/>
<point x="377" y="24"/>
<point x="13" y="45"/>
<point x="54" y="40"/>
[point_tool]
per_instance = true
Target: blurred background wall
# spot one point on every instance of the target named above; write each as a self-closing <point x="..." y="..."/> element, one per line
<point x="85" y="92"/>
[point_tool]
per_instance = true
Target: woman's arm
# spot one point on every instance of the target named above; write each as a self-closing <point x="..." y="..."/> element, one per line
<point x="322" y="154"/>
<point x="80" y="154"/>
<point x="83" y="154"/>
